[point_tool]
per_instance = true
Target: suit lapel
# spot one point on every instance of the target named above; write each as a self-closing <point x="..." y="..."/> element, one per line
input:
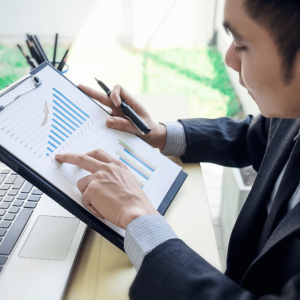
<point x="288" y="225"/>
<point x="246" y="233"/>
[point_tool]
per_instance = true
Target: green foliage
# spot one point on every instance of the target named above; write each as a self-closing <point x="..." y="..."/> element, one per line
<point x="13" y="65"/>
<point x="199" y="74"/>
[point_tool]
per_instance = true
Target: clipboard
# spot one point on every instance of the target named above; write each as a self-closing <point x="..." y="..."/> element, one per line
<point x="55" y="193"/>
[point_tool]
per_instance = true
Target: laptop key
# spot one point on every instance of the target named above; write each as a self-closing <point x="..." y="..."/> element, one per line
<point x="4" y="224"/>
<point x="5" y="171"/>
<point x="10" y="179"/>
<point x="13" y="210"/>
<point x="36" y="192"/>
<point x="2" y="177"/>
<point x="2" y="193"/>
<point x="5" y="187"/>
<point x="34" y="198"/>
<point x="9" y="217"/>
<point x="2" y="232"/>
<point x="12" y="193"/>
<point x="14" y="173"/>
<point x="27" y="188"/>
<point x="15" y="231"/>
<point x="3" y="260"/>
<point x="30" y="205"/>
<point x="4" y="205"/>
<point x="8" y="199"/>
<point x="2" y="212"/>
<point x="17" y="203"/>
<point x="18" y="182"/>
<point x="22" y="196"/>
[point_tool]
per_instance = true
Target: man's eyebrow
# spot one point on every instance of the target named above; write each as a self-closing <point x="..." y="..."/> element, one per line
<point x="229" y="29"/>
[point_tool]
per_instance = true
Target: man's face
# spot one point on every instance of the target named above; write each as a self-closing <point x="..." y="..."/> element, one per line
<point x="253" y="54"/>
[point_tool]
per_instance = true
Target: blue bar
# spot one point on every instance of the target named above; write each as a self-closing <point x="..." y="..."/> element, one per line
<point x="54" y="140"/>
<point x="138" y="160"/>
<point x="66" y="111"/>
<point x="64" y="122"/>
<point x="125" y="162"/>
<point x="49" y="149"/>
<point x="59" y="130"/>
<point x="70" y="102"/>
<point x="65" y="116"/>
<point x="47" y="154"/>
<point x="57" y="135"/>
<point x="70" y="108"/>
<point x="52" y="146"/>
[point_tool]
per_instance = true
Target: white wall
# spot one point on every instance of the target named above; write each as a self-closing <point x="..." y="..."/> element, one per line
<point x="43" y="18"/>
<point x="188" y="24"/>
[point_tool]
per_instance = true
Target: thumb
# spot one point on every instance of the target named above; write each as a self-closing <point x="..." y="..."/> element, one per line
<point x="121" y="124"/>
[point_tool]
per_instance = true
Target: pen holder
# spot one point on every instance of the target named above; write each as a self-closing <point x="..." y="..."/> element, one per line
<point x="65" y="68"/>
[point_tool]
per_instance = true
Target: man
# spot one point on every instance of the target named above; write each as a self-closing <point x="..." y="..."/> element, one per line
<point x="264" y="252"/>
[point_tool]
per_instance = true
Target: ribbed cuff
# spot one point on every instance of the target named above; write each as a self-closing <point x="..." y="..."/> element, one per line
<point x="143" y="235"/>
<point x="175" y="143"/>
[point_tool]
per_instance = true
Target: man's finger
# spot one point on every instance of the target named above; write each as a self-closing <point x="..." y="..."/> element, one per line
<point x="101" y="155"/>
<point x="102" y="98"/>
<point x="81" y="160"/>
<point x="83" y="183"/>
<point x="89" y="206"/>
<point x="119" y="92"/>
<point x="121" y="124"/>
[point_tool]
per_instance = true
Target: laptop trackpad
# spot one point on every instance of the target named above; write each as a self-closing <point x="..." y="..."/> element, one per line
<point x="50" y="238"/>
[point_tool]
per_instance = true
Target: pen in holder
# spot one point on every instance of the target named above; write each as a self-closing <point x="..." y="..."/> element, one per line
<point x="38" y="55"/>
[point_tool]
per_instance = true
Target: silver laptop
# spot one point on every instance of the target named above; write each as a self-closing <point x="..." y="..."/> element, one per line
<point x="39" y="241"/>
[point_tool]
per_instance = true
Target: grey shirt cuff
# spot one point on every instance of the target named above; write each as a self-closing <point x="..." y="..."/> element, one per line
<point x="143" y="235"/>
<point x="175" y="143"/>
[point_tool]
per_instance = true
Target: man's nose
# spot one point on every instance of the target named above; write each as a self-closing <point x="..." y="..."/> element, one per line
<point x="232" y="59"/>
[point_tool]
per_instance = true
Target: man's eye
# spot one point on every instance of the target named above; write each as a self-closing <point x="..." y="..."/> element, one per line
<point x="239" y="49"/>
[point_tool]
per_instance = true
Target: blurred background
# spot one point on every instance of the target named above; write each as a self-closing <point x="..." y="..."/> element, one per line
<point x="174" y="47"/>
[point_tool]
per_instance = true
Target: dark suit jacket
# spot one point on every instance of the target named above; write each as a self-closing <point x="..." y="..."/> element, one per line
<point x="174" y="271"/>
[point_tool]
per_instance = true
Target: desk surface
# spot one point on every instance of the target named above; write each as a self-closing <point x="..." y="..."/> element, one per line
<point x="104" y="272"/>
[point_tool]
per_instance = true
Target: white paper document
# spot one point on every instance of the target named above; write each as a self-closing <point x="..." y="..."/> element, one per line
<point x="57" y="118"/>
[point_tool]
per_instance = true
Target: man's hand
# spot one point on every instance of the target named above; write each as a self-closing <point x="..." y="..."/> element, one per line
<point x="156" y="138"/>
<point x="111" y="191"/>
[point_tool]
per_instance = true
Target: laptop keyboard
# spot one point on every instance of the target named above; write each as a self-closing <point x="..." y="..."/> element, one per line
<point x="18" y="199"/>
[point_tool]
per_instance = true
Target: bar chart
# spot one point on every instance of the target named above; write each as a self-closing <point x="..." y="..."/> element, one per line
<point x="144" y="170"/>
<point x="50" y="124"/>
<point x="141" y="168"/>
<point x="67" y="118"/>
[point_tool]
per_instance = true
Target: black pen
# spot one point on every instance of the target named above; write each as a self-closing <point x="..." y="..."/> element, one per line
<point x="54" y="53"/>
<point x="129" y="112"/>
<point x="64" y="59"/>
<point x="34" y="49"/>
<point x="32" y="65"/>
<point x="40" y="48"/>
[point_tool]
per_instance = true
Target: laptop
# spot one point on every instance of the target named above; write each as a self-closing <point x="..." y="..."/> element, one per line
<point x="39" y="241"/>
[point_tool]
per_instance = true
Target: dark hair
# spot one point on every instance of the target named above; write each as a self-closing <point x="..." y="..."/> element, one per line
<point x="282" y="19"/>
